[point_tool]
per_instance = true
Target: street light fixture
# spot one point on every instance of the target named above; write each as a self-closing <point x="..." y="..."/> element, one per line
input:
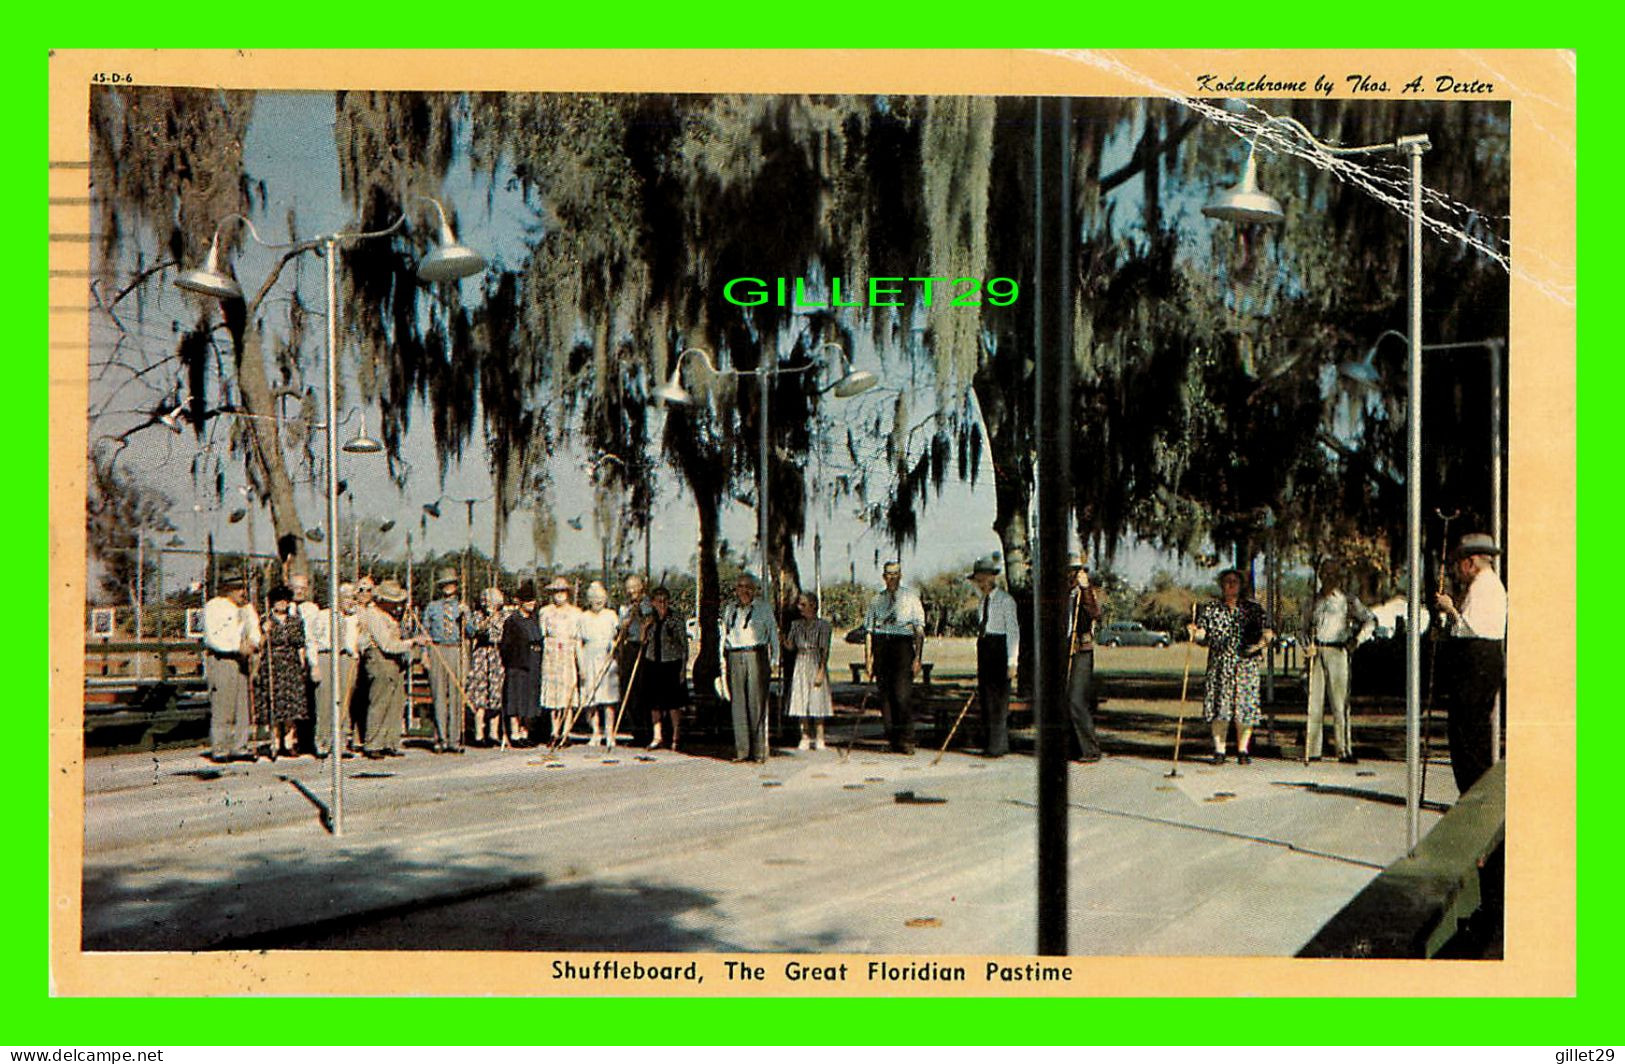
<point x="850" y="383"/>
<point x="1246" y="204"/>
<point x="361" y="443"/>
<point x="449" y="262"/>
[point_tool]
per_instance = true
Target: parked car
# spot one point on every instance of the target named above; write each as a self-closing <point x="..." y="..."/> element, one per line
<point x="1131" y="634"/>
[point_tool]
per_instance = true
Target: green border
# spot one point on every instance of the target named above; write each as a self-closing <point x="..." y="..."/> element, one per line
<point x="34" y="1018"/>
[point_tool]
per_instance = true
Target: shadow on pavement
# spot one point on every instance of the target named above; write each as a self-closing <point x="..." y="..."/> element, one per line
<point x="375" y="899"/>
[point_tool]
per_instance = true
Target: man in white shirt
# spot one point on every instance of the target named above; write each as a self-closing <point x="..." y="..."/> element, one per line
<point x="998" y="649"/>
<point x="317" y="634"/>
<point x="1338" y="624"/>
<point x="750" y="648"/>
<point x="1477" y="656"/>
<point x="894" y="643"/>
<point x="231" y="636"/>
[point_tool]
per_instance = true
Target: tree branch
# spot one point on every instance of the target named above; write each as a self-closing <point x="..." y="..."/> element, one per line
<point x="1144" y="153"/>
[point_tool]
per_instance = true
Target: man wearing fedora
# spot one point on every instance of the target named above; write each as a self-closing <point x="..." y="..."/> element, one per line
<point x="387" y="657"/>
<point x="1083" y="613"/>
<point x="998" y="648"/>
<point x="445" y="621"/>
<point x="1476" y="653"/>
<point x="894" y="646"/>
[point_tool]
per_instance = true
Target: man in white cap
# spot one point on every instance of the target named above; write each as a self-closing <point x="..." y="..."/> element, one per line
<point x="998" y="649"/>
<point x="750" y="649"/>
<point x="445" y="621"/>
<point x="1337" y="624"/>
<point x="1477" y="655"/>
<point x="894" y="644"/>
<point x="1083" y="613"/>
<point x="231" y="635"/>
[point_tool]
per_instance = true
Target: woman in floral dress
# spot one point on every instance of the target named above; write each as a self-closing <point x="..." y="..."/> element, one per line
<point x="485" y="666"/>
<point x="560" y="622"/>
<point x="1235" y="630"/>
<point x="280" y="697"/>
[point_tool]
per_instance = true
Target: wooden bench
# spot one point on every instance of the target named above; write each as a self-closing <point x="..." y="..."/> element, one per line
<point x="1418" y="903"/>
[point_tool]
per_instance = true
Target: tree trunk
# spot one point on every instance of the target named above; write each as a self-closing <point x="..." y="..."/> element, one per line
<point x="710" y="594"/>
<point x="1008" y="430"/>
<point x="258" y="401"/>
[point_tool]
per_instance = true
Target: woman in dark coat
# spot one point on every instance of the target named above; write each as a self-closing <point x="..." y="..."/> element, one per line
<point x="280" y="693"/>
<point x="521" y="651"/>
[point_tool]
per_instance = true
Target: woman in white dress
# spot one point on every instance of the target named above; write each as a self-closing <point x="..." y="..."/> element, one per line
<point x="595" y="661"/>
<point x="561" y="638"/>
<point x="809" y="636"/>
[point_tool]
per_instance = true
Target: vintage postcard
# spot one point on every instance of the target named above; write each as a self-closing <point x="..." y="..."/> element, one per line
<point x="854" y="523"/>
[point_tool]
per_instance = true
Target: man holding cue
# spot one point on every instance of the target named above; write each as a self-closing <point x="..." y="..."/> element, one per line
<point x="894" y="643"/>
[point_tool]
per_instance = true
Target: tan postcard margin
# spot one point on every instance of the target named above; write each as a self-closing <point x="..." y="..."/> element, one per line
<point x="1541" y="833"/>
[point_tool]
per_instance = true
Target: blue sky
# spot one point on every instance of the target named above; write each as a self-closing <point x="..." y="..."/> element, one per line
<point x="290" y="148"/>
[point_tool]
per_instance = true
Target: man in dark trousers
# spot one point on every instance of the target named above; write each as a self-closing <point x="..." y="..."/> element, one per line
<point x="1083" y="611"/>
<point x="894" y="642"/>
<point x="998" y="648"/>
<point x="1476" y="655"/>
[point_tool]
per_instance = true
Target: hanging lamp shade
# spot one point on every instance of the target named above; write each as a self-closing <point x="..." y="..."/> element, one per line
<point x="1245" y="203"/>
<point x="855" y="383"/>
<point x="362" y="444"/>
<point x="450" y="261"/>
<point x="210" y="279"/>
<point x="673" y="391"/>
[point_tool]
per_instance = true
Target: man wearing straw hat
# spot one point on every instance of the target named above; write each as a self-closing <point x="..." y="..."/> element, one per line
<point x="750" y="649"/>
<point x="1477" y="655"/>
<point x="1083" y="612"/>
<point x="388" y="655"/>
<point x="231" y="635"/>
<point x="894" y="628"/>
<point x="444" y="622"/>
<point x="998" y="648"/>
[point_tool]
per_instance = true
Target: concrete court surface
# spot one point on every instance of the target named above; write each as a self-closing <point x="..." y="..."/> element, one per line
<point x="494" y="850"/>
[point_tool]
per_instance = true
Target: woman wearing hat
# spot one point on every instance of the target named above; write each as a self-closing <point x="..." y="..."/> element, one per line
<point x="560" y="622"/>
<point x="809" y="637"/>
<point x="1235" y="630"/>
<point x="279" y="693"/>
<point x="521" y="651"/>
<point x="596" y="665"/>
<point x="485" y="665"/>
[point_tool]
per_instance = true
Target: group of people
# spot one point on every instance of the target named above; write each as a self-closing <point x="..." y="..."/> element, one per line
<point x="1470" y="654"/>
<point x="526" y="673"/>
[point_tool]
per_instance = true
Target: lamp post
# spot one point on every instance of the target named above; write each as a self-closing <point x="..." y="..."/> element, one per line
<point x="448" y="262"/>
<point x="1246" y="203"/>
<point x="851" y="382"/>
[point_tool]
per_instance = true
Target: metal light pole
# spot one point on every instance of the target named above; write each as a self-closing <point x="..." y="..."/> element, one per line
<point x="1245" y="203"/>
<point x="1052" y="385"/>
<point x="447" y="262"/>
<point x="851" y="382"/>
